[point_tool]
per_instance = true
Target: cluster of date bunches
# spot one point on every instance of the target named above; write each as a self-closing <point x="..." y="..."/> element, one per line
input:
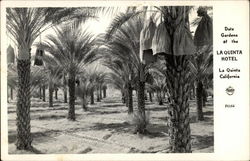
<point x="156" y="40"/>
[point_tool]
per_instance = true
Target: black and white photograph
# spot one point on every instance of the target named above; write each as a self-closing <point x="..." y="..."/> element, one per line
<point x="110" y="79"/>
<point x="123" y="79"/>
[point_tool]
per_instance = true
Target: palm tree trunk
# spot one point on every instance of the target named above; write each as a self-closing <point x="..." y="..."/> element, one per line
<point x="50" y="96"/>
<point x="40" y="92"/>
<point x="44" y="93"/>
<point x="194" y="94"/>
<point x="24" y="138"/>
<point x="65" y="89"/>
<point x="100" y="92"/>
<point x="159" y="97"/>
<point x="92" y="98"/>
<point x="204" y="96"/>
<point x="104" y="93"/>
<point x="56" y="90"/>
<point x="199" y="100"/>
<point x="123" y="97"/>
<point x="65" y="95"/>
<point x="179" y="87"/>
<point x="130" y="99"/>
<point x="141" y="106"/>
<point x="126" y="98"/>
<point x="11" y="93"/>
<point x="71" y="84"/>
<point x="150" y="96"/>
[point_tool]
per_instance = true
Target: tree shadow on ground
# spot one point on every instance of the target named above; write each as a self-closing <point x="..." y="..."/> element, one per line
<point x="40" y="104"/>
<point x="50" y="117"/>
<point x="112" y="105"/>
<point x="156" y="108"/>
<point x="112" y="101"/>
<point x="156" y="130"/>
<point x="194" y="119"/>
<point x="164" y="118"/>
<point x="149" y="103"/>
<point x="36" y="151"/>
<point x="96" y="112"/>
<point x="114" y="127"/>
<point x="201" y="142"/>
<point x="43" y="136"/>
<point x="43" y="110"/>
<point x="209" y="113"/>
<point x="209" y="103"/>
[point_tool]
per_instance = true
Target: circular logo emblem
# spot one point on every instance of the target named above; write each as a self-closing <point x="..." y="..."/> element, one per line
<point x="230" y="90"/>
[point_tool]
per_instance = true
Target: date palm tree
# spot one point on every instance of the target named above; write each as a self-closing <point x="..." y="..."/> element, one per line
<point x="158" y="84"/>
<point x="25" y="25"/>
<point x="73" y="48"/>
<point x="84" y="89"/>
<point x="37" y="77"/>
<point x="54" y="73"/>
<point x="201" y="67"/>
<point x="122" y="76"/>
<point x="176" y="23"/>
<point x="124" y="43"/>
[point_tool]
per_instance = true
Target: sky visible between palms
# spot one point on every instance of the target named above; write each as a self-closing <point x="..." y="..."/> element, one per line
<point x="97" y="26"/>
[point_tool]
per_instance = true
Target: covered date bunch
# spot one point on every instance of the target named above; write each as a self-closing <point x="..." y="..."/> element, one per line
<point x="38" y="57"/>
<point x="10" y="54"/>
<point x="146" y="37"/>
<point x="161" y="40"/>
<point x="183" y="43"/>
<point x="204" y="32"/>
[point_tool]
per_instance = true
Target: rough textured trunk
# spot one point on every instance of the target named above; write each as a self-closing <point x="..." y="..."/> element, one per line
<point x="179" y="90"/>
<point x="50" y="97"/>
<point x="104" y="93"/>
<point x="130" y="99"/>
<point x="44" y="93"/>
<point x="194" y="94"/>
<point x="204" y="96"/>
<point x="92" y="98"/>
<point x="65" y="93"/>
<point x="40" y="92"/>
<point x="123" y="98"/>
<point x="24" y="138"/>
<point x="150" y="96"/>
<point x="159" y="97"/>
<point x="199" y="100"/>
<point x="71" y="84"/>
<point x="126" y="97"/>
<point x="65" y="89"/>
<point x="11" y="93"/>
<point x="100" y="92"/>
<point x="141" y="107"/>
<point x="204" y="101"/>
<point x="146" y="96"/>
<point x="56" y="90"/>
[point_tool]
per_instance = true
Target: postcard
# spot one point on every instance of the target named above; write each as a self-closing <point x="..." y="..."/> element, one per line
<point x="125" y="80"/>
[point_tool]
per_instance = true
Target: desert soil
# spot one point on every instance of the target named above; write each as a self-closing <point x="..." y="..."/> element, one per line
<point x="105" y="128"/>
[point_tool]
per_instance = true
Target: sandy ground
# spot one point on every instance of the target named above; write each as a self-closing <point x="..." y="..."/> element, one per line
<point x="105" y="128"/>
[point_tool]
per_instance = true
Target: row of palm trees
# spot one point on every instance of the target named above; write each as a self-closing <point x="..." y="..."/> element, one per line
<point x="126" y="49"/>
<point x="24" y="26"/>
<point x="131" y="49"/>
